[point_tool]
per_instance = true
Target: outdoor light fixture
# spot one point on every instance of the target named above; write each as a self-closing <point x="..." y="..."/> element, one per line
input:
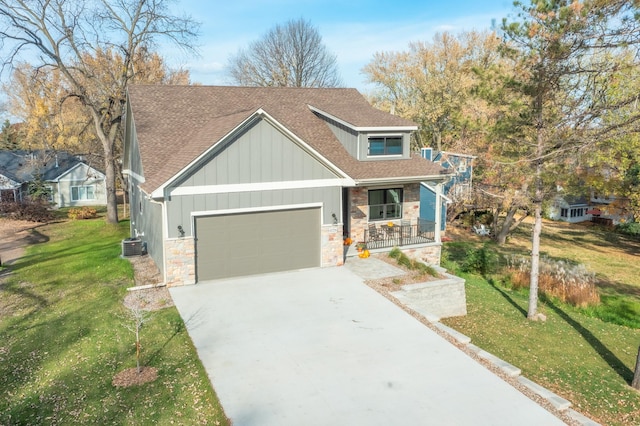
<point x="335" y="218"/>
<point x="180" y="230"/>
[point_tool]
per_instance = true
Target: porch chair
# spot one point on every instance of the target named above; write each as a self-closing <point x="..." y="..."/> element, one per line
<point x="374" y="233"/>
<point x="405" y="226"/>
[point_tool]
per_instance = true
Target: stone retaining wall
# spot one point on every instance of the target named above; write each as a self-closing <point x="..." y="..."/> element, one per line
<point x="435" y="299"/>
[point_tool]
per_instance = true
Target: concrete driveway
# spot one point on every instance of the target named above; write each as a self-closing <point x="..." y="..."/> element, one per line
<point x="319" y="347"/>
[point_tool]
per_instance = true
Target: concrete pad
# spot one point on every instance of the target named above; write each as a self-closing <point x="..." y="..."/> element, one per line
<point x="372" y="268"/>
<point x="319" y="347"/>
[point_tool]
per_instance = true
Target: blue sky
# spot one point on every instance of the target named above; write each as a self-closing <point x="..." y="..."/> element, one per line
<point x="351" y="29"/>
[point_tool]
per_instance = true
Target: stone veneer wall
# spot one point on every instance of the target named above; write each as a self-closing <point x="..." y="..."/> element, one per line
<point x="332" y="245"/>
<point x="359" y="208"/>
<point x="429" y="253"/>
<point x="180" y="261"/>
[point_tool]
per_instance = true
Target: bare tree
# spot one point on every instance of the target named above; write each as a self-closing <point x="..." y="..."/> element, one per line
<point x="69" y="35"/>
<point x="137" y="316"/>
<point x="290" y="55"/>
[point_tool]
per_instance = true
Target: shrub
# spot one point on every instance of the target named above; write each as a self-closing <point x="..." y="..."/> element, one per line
<point x="629" y="228"/>
<point x="412" y="264"/>
<point x="34" y="210"/>
<point x="83" y="213"/>
<point x="570" y="283"/>
<point x="483" y="260"/>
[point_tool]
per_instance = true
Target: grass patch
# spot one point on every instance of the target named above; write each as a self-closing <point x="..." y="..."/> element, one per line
<point x="64" y="340"/>
<point x="587" y="355"/>
<point x="611" y="256"/>
<point x="585" y="360"/>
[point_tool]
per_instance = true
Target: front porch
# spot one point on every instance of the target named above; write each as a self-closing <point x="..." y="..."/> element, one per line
<point x="392" y="234"/>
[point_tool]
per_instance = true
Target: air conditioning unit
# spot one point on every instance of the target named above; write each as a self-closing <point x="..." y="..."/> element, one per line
<point x="131" y="247"/>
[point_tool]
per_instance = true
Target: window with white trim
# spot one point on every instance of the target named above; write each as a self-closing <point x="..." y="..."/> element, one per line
<point x="385" y="145"/>
<point x="385" y="204"/>
<point x="81" y="193"/>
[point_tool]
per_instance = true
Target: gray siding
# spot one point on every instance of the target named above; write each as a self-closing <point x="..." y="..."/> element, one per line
<point x="180" y="207"/>
<point x="347" y="137"/>
<point x="132" y="153"/>
<point x="82" y="175"/>
<point x="146" y="218"/>
<point x="260" y="154"/>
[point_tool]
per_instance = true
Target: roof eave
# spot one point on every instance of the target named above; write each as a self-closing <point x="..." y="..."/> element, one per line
<point x="402" y="179"/>
<point x="364" y="128"/>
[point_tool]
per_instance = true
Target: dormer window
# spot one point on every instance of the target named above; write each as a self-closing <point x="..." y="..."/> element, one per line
<point x="385" y="145"/>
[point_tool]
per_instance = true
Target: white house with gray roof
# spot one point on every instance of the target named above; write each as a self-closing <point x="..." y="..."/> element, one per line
<point x="71" y="181"/>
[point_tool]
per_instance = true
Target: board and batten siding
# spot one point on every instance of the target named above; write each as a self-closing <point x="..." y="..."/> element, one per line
<point x="133" y="161"/>
<point x="146" y="223"/>
<point x="347" y="137"/>
<point x="260" y="154"/>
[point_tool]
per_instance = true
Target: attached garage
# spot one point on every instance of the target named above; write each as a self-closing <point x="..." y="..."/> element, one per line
<point x="232" y="245"/>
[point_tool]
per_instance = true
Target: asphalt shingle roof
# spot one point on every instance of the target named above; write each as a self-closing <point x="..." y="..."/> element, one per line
<point x="176" y="124"/>
<point x="21" y="166"/>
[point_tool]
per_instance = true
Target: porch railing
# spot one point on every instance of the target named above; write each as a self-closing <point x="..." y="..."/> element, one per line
<point x="382" y="236"/>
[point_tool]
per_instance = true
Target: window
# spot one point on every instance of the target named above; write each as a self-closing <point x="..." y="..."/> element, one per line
<point x="385" y="204"/>
<point x="564" y="212"/>
<point x="49" y="193"/>
<point x="385" y="145"/>
<point x="79" y="193"/>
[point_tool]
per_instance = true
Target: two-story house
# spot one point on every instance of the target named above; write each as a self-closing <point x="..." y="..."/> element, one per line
<point x="230" y="181"/>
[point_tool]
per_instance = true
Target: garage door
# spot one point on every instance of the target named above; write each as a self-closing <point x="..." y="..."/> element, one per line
<point x="256" y="243"/>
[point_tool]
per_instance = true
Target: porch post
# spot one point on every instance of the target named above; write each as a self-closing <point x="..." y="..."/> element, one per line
<point x="438" y="214"/>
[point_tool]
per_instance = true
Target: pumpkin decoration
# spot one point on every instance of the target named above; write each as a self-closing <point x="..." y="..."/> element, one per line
<point x="364" y="254"/>
<point x="348" y="241"/>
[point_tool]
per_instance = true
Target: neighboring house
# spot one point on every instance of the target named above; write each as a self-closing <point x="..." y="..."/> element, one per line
<point x="606" y="210"/>
<point x="569" y="209"/>
<point x="71" y="181"/>
<point x="455" y="189"/>
<point x="229" y="181"/>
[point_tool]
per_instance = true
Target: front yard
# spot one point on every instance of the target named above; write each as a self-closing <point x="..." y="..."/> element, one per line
<point x="575" y="353"/>
<point x="63" y="339"/>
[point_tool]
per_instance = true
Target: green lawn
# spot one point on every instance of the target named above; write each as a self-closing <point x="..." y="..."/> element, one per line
<point x="588" y="361"/>
<point x="63" y="340"/>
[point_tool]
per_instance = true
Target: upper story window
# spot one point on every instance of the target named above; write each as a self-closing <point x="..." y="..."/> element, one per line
<point x="385" y="145"/>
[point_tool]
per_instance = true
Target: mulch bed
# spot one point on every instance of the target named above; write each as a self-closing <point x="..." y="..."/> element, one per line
<point x="390" y="284"/>
<point x="131" y="377"/>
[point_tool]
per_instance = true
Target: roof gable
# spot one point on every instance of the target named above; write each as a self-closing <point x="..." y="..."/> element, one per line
<point x="22" y="166"/>
<point x="175" y="125"/>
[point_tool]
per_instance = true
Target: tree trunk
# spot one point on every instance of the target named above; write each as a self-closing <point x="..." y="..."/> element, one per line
<point x="110" y="176"/>
<point x="501" y="236"/>
<point x="532" y="311"/>
<point x="107" y="142"/>
<point x="635" y="383"/>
